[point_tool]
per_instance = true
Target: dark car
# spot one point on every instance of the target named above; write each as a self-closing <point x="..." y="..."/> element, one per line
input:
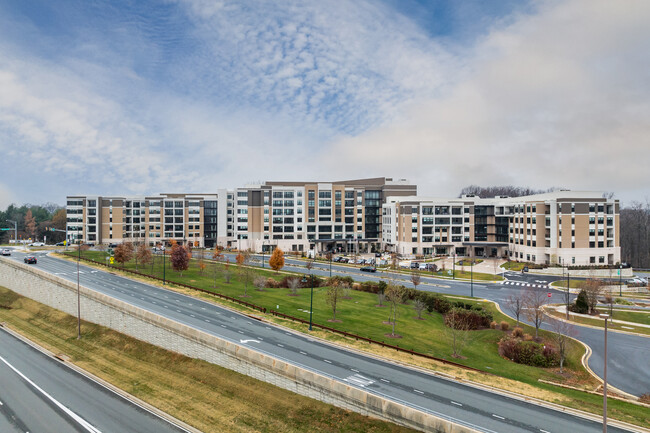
<point x="337" y="259"/>
<point x="525" y="269"/>
<point x="59" y="244"/>
<point x="30" y="259"/>
<point x="343" y="260"/>
<point x="415" y="265"/>
<point x="368" y="269"/>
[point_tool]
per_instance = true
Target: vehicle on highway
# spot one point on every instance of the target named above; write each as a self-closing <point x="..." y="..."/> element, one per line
<point x="37" y="244"/>
<point x="5" y="252"/>
<point x="369" y="269"/>
<point x="30" y="259"/>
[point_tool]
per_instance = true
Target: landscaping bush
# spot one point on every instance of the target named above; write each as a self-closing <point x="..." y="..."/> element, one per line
<point x="493" y="325"/>
<point x="472" y="319"/>
<point x="581" y="306"/>
<point x="517" y="332"/>
<point x="528" y="352"/>
<point x="505" y="325"/>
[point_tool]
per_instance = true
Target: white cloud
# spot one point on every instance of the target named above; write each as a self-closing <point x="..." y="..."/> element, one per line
<point x="556" y="98"/>
<point x="6" y="196"/>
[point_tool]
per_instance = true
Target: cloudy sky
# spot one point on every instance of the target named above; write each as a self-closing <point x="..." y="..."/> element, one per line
<point x="130" y="97"/>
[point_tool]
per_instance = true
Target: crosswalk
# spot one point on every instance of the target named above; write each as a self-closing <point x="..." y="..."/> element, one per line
<point x="524" y="284"/>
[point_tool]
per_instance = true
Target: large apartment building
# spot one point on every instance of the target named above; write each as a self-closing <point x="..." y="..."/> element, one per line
<point x="300" y="216"/>
<point x="149" y="219"/>
<point x="572" y="227"/>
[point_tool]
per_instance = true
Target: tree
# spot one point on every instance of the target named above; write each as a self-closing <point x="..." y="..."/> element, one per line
<point x="394" y="294"/>
<point x="562" y="332"/>
<point x="276" y="262"/>
<point x="415" y="279"/>
<point x="456" y="331"/>
<point x="226" y="271"/>
<point x="334" y="292"/>
<point x="260" y="283"/>
<point x="534" y="301"/>
<point x="592" y="289"/>
<point x="394" y="259"/>
<point x="30" y="224"/>
<point x="180" y="258"/>
<point x="201" y="265"/>
<point x="144" y="255"/>
<point x="243" y="257"/>
<point x="515" y="304"/>
<point x="122" y="254"/>
<point x="293" y="284"/>
<point x="419" y="306"/>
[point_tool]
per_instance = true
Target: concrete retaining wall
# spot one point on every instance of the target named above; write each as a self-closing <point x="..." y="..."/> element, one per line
<point x="58" y="293"/>
<point x="585" y="273"/>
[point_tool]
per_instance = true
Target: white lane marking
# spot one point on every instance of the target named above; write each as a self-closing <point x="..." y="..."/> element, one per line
<point x="248" y="341"/>
<point x="207" y="320"/>
<point x="192" y="315"/>
<point x="85" y="424"/>
<point x="384" y="380"/>
<point x="202" y="308"/>
<point x="267" y="327"/>
<point x="303" y="353"/>
<point x="355" y="370"/>
<point x="626" y="327"/>
<point x="165" y="306"/>
<point x="418" y="391"/>
<point x="359" y="380"/>
<point x="544" y="431"/>
<point x="457" y="404"/>
<point x="497" y="416"/>
<point x="153" y="302"/>
<point x="328" y="361"/>
<point x="178" y="311"/>
<point x="0" y="403"/>
<point x="241" y="332"/>
<point x="288" y="333"/>
<point x="281" y="345"/>
<point x="223" y="326"/>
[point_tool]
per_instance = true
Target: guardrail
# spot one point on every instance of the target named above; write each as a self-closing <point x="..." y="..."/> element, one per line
<point x="296" y="319"/>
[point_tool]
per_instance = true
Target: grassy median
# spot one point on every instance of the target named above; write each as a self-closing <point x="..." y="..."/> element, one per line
<point x="208" y="397"/>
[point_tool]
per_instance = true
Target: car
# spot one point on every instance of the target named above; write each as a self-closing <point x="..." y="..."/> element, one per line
<point x="525" y="269"/>
<point x="424" y="266"/>
<point x="338" y="258"/>
<point x="377" y="254"/>
<point x="59" y="244"/>
<point x="30" y="259"/>
<point x="5" y="252"/>
<point x="369" y="269"/>
<point x="343" y="260"/>
<point x="415" y="265"/>
<point x="37" y="244"/>
<point x="113" y="245"/>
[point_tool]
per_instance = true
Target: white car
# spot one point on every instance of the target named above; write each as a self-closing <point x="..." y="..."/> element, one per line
<point x="37" y="244"/>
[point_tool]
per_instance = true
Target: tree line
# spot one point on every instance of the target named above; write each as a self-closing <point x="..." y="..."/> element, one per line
<point x="33" y="222"/>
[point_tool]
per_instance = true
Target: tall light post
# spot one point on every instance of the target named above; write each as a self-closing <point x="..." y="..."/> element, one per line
<point x="311" y="299"/>
<point x="78" y="287"/>
<point x="453" y="273"/>
<point x="620" y="281"/>
<point x="605" y="316"/>
<point x="471" y="276"/>
<point x="15" y="231"/>
<point x="263" y="242"/>
<point x="164" y="248"/>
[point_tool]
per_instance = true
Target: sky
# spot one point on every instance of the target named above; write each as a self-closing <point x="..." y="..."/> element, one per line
<point x="144" y="97"/>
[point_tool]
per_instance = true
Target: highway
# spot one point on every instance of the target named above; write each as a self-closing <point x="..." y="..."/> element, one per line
<point x="40" y="394"/>
<point x="461" y="403"/>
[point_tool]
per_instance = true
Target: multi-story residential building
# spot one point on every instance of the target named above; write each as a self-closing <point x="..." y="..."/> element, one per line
<point x="299" y="216"/>
<point x="149" y="219"/>
<point x="571" y="227"/>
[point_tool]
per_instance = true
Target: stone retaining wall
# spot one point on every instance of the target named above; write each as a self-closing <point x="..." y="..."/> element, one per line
<point x="104" y="310"/>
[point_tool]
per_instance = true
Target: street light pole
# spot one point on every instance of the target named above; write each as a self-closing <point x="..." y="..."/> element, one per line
<point x="78" y="287"/>
<point x="164" y="247"/>
<point x="605" y="316"/>
<point x="311" y="302"/>
<point x="620" y="282"/>
<point x="453" y="273"/>
<point x="471" y="275"/>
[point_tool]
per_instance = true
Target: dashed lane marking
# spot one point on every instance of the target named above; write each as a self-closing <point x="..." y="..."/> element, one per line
<point x="457" y="404"/>
<point x="327" y="360"/>
<point x="497" y="416"/>
<point x="418" y="391"/>
<point x="384" y="380"/>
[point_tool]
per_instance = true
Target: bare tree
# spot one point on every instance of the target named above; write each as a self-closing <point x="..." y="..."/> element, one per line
<point x="415" y="279"/>
<point x="260" y="283"/>
<point x="534" y="301"/>
<point x="562" y="333"/>
<point x="293" y="284"/>
<point x="515" y="304"/>
<point x="334" y="293"/>
<point x="456" y="332"/>
<point x="593" y="289"/>
<point x="419" y="306"/>
<point x="394" y="294"/>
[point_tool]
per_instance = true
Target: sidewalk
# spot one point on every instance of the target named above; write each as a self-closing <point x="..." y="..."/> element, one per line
<point x="562" y="309"/>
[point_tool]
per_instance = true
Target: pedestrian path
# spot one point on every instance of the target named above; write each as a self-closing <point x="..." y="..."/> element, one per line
<point x="524" y="284"/>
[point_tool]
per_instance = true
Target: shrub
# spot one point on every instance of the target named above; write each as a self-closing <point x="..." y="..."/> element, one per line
<point x="528" y="337"/>
<point x="505" y="325"/>
<point x="645" y="398"/>
<point x="271" y="283"/>
<point x="581" y="306"/>
<point x="517" y="332"/>
<point x="356" y="286"/>
<point x="493" y="325"/>
<point x="470" y="318"/>
<point x="382" y="286"/>
<point x="528" y="352"/>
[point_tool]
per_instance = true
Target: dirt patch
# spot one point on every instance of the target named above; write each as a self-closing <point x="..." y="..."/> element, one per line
<point x="388" y="335"/>
<point x="334" y="320"/>
<point x="386" y="322"/>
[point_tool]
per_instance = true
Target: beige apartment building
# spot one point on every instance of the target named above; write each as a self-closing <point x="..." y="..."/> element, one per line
<point x="571" y="227"/>
<point x="149" y="219"/>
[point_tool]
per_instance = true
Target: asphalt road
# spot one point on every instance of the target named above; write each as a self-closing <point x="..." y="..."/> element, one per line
<point x="461" y="403"/>
<point x="40" y="394"/>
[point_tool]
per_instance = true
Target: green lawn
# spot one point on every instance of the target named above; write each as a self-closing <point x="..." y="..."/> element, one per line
<point x="600" y="323"/>
<point x="632" y="316"/>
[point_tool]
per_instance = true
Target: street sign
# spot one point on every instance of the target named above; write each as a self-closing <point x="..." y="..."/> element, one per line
<point x="112" y="260"/>
<point x="549" y="295"/>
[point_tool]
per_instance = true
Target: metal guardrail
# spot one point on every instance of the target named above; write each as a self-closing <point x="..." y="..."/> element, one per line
<point x="297" y="319"/>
